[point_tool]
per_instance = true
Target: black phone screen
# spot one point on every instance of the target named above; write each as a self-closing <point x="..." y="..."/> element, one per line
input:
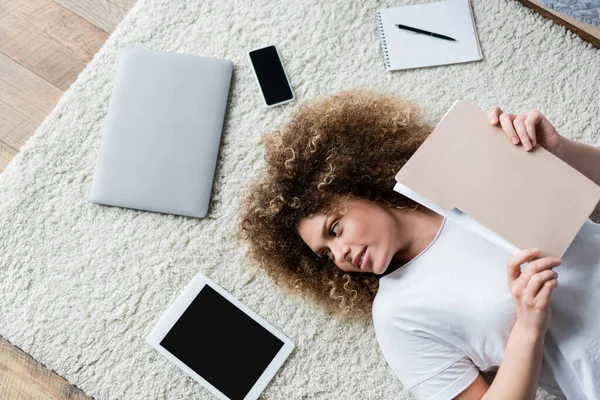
<point x="271" y="76"/>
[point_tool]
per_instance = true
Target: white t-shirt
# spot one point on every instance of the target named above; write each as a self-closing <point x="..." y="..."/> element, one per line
<point x="449" y="312"/>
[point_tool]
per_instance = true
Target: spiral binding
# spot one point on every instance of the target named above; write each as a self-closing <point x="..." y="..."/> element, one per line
<point x="386" y="56"/>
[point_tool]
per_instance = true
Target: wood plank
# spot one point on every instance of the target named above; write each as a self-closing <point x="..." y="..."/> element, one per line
<point x="588" y="32"/>
<point x="48" y="39"/>
<point x="55" y="44"/>
<point x="101" y="13"/>
<point x="22" y="377"/>
<point x="124" y="4"/>
<point x="25" y="100"/>
<point x="6" y="155"/>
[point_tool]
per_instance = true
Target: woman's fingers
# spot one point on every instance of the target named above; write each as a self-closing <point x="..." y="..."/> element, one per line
<point x="493" y="114"/>
<point x="533" y="119"/>
<point x="539" y="265"/>
<point x="537" y="281"/>
<point x="532" y="279"/>
<point x="514" y="263"/>
<point x="531" y="288"/>
<point x="517" y="128"/>
<point x="543" y="297"/>
<point x="506" y="121"/>
<point x="527" y="138"/>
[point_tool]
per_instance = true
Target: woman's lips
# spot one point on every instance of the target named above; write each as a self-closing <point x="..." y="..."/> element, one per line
<point x="365" y="257"/>
<point x="357" y="259"/>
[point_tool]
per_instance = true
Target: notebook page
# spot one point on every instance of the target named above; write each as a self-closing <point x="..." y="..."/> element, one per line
<point x="406" y="49"/>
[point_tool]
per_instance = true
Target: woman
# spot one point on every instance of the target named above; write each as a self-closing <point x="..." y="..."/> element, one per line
<point x="324" y="221"/>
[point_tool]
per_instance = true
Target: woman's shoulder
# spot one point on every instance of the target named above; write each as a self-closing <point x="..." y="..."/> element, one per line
<point x="386" y="304"/>
<point x="379" y="306"/>
<point x="391" y="294"/>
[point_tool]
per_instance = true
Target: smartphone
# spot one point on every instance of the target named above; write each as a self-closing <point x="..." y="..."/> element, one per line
<point x="271" y="76"/>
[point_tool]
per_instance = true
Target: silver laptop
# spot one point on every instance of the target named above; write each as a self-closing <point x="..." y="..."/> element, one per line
<point x="162" y="132"/>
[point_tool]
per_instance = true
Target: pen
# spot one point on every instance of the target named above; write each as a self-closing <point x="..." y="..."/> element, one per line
<point x="437" y="35"/>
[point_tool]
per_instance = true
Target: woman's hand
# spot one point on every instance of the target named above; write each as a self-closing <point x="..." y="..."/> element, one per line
<point x="528" y="128"/>
<point x="531" y="289"/>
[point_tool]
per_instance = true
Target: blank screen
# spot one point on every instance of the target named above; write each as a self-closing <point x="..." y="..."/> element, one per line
<point x="271" y="76"/>
<point x="222" y="344"/>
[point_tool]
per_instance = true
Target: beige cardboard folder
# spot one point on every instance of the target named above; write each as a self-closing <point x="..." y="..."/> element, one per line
<point x="467" y="170"/>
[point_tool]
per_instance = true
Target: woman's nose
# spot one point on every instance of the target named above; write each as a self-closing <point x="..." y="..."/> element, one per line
<point x="341" y="253"/>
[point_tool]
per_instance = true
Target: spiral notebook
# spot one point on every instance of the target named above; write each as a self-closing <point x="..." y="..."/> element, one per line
<point x="403" y="49"/>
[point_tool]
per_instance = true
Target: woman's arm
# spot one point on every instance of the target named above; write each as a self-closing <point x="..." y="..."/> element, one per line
<point x="584" y="158"/>
<point x="519" y="372"/>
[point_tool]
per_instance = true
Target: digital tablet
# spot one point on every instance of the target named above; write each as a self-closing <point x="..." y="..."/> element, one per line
<point x="220" y="342"/>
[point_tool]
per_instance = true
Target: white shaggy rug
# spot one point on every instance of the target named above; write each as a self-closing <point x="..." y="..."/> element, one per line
<point x="82" y="284"/>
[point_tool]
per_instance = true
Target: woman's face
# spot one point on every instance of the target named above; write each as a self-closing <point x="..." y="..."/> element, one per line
<point x="364" y="238"/>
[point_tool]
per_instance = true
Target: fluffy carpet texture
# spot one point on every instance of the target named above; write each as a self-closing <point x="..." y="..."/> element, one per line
<point x="83" y="284"/>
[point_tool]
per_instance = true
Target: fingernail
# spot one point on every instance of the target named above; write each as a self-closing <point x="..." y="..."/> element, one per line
<point x="527" y="146"/>
<point x="492" y="120"/>
<point x="514" y="140"/>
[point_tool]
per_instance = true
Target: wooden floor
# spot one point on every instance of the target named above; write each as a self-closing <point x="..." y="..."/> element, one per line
<point x="21" y="377"/>
<point x="44" y="45"/>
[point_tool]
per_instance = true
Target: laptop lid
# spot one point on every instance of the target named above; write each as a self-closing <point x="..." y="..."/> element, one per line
<point x="162" y="132"/>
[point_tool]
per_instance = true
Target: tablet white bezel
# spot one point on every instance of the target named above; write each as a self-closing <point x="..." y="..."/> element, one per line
<point x="172" y="315"/>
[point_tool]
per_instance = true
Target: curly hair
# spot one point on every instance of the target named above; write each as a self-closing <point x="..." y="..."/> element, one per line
<point x="347" y="145"/>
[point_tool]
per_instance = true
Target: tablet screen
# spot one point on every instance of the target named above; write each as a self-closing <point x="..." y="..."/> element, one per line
<point x="222" y="344"/>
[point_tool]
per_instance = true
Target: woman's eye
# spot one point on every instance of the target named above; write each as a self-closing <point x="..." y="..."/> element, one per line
<point x="334" y="229"/>
<point x="325" y="254"/>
